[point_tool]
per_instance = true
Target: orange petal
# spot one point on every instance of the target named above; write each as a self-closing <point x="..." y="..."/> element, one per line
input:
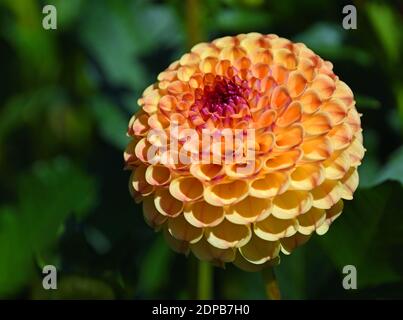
<point x="289" y="137"/>
<point x="327" y="194"/>
<point x="307" y="176"/>
<point x="139" y="183"/>
<point x="226" y="193"/>
<point x="202" y="214"/>
<point x="323" y="85"/>
<point x="310" y="101"/>
<point x="290" y="243"/>
<point x="180" y="229"/>
<point x="341" y="136"/>
<point x="311" y="220"/>
<point x="179" y="246"/>
<point x="186" y="189"/>
<point x="157" y="175"/>
<point x="296" y="83"/>
<point x="280" y="98"/>
<point x="247" y="266"/>
<point x="248" y="210"/>
<point x="283" y="160"/>
<point x="316" y="124"/>
<point x="315" y="149"/>
<point x="166" y="204"/>
<point x="206" y="252"/>
<point x="291" y="203"/>
<point x="273" y="229"/>
<point x="258" y="251"/>
<point x="151" y="215"/>
<point x="285" y="58"/>
<point x="336" y="109"/>
<point x="228" y="235"/>
<point x="344" y="93"/>
<point x="271" y="185"/>
<point x="292" y="114"/>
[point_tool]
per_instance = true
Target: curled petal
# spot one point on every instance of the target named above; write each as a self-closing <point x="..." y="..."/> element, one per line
<point x="271" y="185"/>
<point x="151" y="215"/>
<point x="226" y="193"/>
<point x="341" y="136"/>
<point x="316" y="124"/>
<point x="307" y="176"/>
<point x="228" y="235"/>
<point x="311" y="220"/>
<point x="166" y="204"/>
<point x="319" y="148"/>
<point x="349" y="183"/>
<point x="290" y="243"/>
<point x="180" y="229"/>
<point x="206" y="252"/>
<point x="331" y="214"/>
<point x="157" y="175"/>
<point x="248" y="210"/>
<point x="186" y="189"/>
<point x="202" y="214"/>
<point x="324" y="86"/>
<point x="327" y="194"/>
<point x="273" y="229"/>
<point x="291" y="204"/>
<point x="258" y="251"/>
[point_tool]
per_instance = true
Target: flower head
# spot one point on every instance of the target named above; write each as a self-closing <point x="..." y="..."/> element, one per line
<point x="243" y="148"/>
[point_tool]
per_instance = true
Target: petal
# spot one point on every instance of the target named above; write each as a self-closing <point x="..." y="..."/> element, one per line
<point x="344" y="93"/>
<point x="285" y="58"/>
<point x="260" y="70"/>
<point x="311" y="220"/>
<point x="292" y="114"/>
<point x="296" y="83"/>
<point x="248" y="210"/>
<point x="356" y="151"/>
<point x="176" y="245"/>
<point x="271" y="185"/>
<point x="206" y="252"/>
<point x="307" y="176"/>
<point x="349" y="183"/>
<point x="291" y="204"/>
<point x="226" y="193"/>
<point x="157" y="175"/>
<point x="341" y="136"/>
<point x="323" y="85"/>
<point x="331" y="214"/>
<point x="228" y="235"/>
<point x="206" y="172"/>
<point x="166" y="204"/>
<point x="337" y="165"/>
<point x="316" y="124"/>
<point x="289" y="137"/>
<point x="202" y="214"/>
<point x="247" y="266"/>
<point x="186" y="189"/>
<point x="327" y="194"/>
<point x="290" y="243"/>
<point x="283" y="160"/>
<point x="310" y="101"/>
<point x="151" y="215"/>
<point x="139" y="182"/>
<point x="272" y="228"/>
<point x="258" y="251"/>
<point x="315" y="149"/>
<point x="336" y="109"/>
<point x="180" y="229"/>
<point x="280" y="98"/>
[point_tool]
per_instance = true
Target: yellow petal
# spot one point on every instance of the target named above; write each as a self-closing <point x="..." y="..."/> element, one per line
<point x="182" y="230"/>
<point x="226" y="193"/>
<point x="307" y="176"/>
<point x="247" y="266"/>
<point x="271" y="185"/>
<point x="341" y="136"/>
<point x="202" y="214"/>
<point x="283" y="160"/>
<point x="248" y="210"/>
<point x="258" y="251"/>
<point x="311" y="220"/>
<point x="327" y="194"/>
<point x="228" y="235"/>
<point x="157" y="175"/>
<point x="176" y="245"/>
<point x="166" y="204"/>
<point x="291" y="204"/>
<point x="289" y="137"/>
<point x="206" y="252"/>
<point x="206" y="172"/>
<point x="356" y="151"/>
<point x="151" y="215"/>
<point x="139" y="182"/>
<point x="290" y="243"/>
<point x="337" y="165"/>
<point x="318" y="148"/>
<point x="316" y="124"/>
<point x="186" y="189"/>
<point x="272" y="228"/>
<point x="331" y="214"/>
<point x="349" y="183"/>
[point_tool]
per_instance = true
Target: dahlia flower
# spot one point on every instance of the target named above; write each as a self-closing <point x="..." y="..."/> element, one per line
<point x="258" y="194"/>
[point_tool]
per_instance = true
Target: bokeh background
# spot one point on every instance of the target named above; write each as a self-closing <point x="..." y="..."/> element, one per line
<point x="66" y="97"/>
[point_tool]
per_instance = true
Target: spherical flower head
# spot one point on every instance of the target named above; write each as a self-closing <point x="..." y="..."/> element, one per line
<point x="243" y="148"/>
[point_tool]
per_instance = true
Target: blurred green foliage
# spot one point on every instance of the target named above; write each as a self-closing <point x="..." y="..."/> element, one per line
<point x="66" y="97"/>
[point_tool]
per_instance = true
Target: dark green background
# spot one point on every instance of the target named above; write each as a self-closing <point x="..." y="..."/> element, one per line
<point x="66" y="97"/>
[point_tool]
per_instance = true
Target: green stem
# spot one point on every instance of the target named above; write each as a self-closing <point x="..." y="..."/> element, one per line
<point x="271" y="285"/>
<point x="205" y="281"/>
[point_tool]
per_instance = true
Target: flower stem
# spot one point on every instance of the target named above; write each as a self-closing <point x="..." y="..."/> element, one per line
<point x="271" y="285"/>
<point x="205" y="280"/>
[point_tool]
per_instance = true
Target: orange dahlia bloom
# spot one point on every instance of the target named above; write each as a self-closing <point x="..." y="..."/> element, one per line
<point x="307" y="146"/>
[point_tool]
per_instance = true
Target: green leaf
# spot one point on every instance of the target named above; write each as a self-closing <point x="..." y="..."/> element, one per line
<point x="393" y="170"/>
<point x="386" y="25"/>
<point x="112" y="122"/>
<point x="155" y="268"/>
<point x="242" y="19"/>
<point x="47" y="196"/>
